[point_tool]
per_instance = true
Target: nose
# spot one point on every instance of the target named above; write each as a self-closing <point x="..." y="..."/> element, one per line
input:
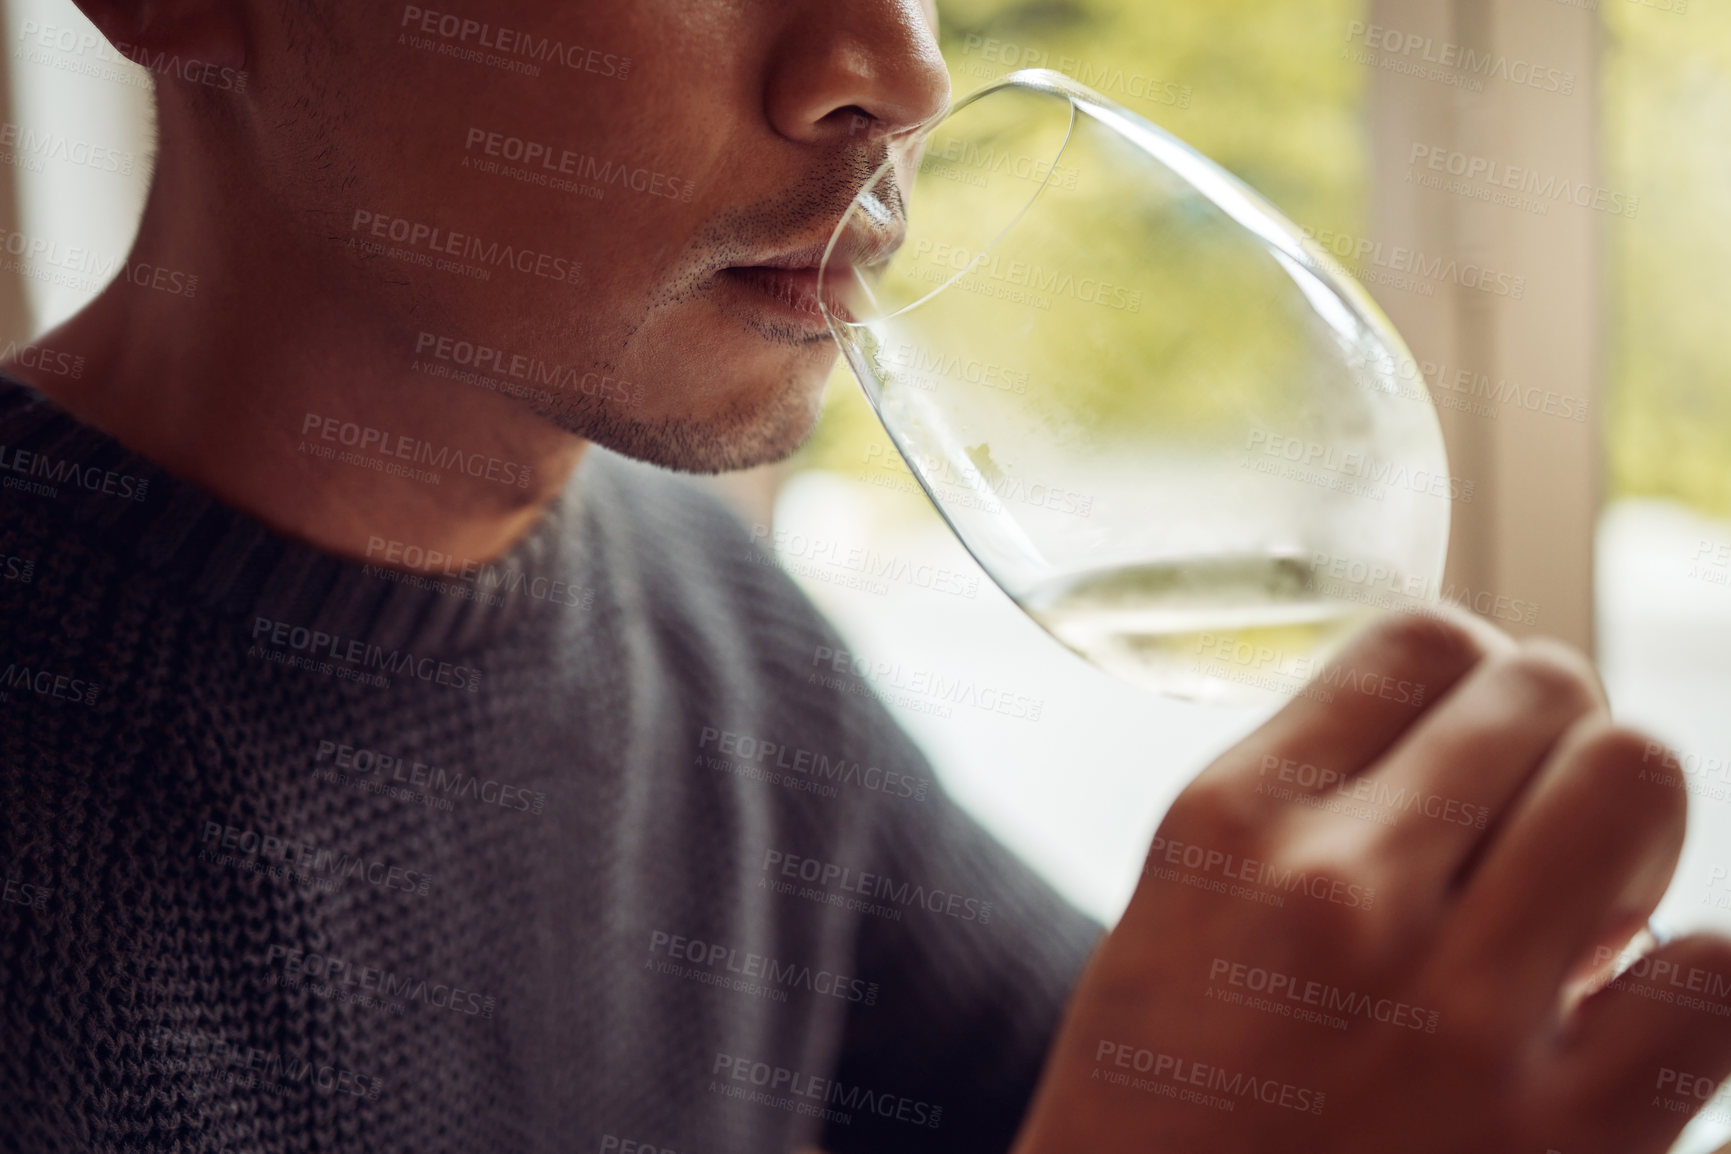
<point x="846" y="67"/>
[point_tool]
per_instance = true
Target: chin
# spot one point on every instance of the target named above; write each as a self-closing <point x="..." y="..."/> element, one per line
<point x="741" y="434"/>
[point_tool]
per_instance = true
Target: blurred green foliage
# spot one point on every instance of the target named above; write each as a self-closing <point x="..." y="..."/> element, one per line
<point x="1258" y="85"/>
<point x="1667" y="132"/>
<point x="1262" y="87"/>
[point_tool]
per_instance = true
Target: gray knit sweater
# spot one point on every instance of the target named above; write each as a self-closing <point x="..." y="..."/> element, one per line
<point x="566" y="853"/>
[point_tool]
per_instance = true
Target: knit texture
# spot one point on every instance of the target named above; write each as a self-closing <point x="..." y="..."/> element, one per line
<point x="305" y="855"/>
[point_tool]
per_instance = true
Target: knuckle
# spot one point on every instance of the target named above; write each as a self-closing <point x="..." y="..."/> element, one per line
<point x="1340" y="884"/>
<point x="1426" y="641"/>
<point x="1215" y="809"/>
<point x="1610" y="762"/>
<point x="1554" y="674"/>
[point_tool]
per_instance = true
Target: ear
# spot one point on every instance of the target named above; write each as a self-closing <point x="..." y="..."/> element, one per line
<point x="174" y="32"/>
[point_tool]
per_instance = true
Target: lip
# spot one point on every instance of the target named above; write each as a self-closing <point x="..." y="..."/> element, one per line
<point x="792" y="281"/>
<point x="791" y="290"/>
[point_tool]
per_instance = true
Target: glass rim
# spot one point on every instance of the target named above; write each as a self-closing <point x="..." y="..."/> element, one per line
<point x="1043" y="80"/>
<point x="1244" y="204"/>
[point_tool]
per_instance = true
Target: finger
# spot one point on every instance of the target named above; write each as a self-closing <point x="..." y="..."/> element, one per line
<point x="1315" y="743"/>
<point x="1588" y="850"/>
<point x="1599" y="964"/>
<point x="1635" y="1050"/>
<point x="1453" y="775"/>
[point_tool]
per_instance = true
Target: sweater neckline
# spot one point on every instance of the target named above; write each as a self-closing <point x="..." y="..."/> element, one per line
<point x="220" y="557"/>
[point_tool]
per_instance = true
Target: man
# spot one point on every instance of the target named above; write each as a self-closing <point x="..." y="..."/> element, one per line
<point x="391" y="763"/>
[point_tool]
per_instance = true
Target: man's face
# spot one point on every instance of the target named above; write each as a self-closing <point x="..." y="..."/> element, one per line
<point x="634" y="194"/>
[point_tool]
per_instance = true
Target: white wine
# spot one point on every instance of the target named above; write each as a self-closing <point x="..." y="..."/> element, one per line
<point x="1222" y="629"/>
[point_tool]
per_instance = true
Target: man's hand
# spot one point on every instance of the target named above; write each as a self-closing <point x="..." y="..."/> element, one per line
<point x="1368" y="928"/>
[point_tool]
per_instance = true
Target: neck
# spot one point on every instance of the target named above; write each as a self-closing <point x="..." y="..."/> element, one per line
<point x="275" y="387"/>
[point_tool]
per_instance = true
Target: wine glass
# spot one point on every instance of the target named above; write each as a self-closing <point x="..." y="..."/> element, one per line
<point x="1164" y="421"/>
<point x="1171" y="428"/>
